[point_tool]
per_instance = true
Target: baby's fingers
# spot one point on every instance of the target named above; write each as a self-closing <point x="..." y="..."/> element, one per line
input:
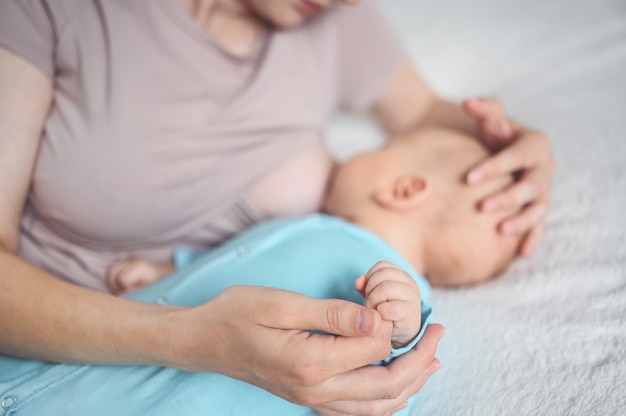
<point x="379" y="272"/>
<point x="389" y="291"/>
<point x="394" y="310"/>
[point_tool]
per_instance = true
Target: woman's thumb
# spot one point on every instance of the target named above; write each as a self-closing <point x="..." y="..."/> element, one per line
<point x="341" y="317"/>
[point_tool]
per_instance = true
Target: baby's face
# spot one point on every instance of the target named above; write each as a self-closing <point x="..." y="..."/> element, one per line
<point x="461" y="245"/>
<point x="467" y="248"/>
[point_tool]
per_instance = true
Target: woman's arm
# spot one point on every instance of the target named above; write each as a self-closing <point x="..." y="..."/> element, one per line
<point x="408" y="103"/>
<point x="42" y="316"/>
<point x="252" y="334"/>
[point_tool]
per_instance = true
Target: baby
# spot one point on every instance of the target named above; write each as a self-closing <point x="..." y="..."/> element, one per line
<point x="412" y="194"/>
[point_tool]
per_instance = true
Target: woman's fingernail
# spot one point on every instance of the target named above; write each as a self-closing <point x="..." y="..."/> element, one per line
<point x="509" y="228"/>
<point x="433" y="368"/>
<point x="527" y="250"/>
<point x="475" y="176"/>
<point x="365" y="321"/>
<point x="490" y="205"/>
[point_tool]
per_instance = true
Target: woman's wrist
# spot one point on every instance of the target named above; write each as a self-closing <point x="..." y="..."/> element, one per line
<point x="150" y="336"/>
<point x="186" y="338"/>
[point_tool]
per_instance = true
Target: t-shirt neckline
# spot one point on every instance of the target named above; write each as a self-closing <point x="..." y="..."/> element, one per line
<point x="181" y="18"/>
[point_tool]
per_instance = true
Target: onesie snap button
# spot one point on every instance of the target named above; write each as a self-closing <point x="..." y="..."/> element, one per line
<point x="7" y="402"/>
<point x="162" y="300"/>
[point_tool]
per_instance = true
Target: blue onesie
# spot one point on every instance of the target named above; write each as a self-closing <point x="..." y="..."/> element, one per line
<point x="318" y="256"/>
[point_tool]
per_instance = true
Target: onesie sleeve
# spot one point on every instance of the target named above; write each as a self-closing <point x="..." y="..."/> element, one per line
<point x="369" y="52"/>
<point x="27" y="29"/>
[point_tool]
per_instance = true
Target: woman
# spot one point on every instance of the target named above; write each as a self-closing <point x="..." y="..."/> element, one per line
<point x="116" y="115"/>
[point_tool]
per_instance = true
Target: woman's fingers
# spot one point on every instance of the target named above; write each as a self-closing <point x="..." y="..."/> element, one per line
<point x="530" y="159"/>
<point x="381" y="389"/>
<point x="530" y="241"/>
<point x="532" y="186"/>
<point x="329" y="315"/>
<point x="523" y="222"/>
<point x="529" y="198"/>
<point x="494" y="128"/>
<point x="383" y="407"/>
<point x="483" y="109"/>
<point x="529" y="150"/>
<point x="363" y="336"/>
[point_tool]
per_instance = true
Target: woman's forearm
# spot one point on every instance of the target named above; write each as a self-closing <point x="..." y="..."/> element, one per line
<point x="45" y="318"/>
<point x="408" y="103"/>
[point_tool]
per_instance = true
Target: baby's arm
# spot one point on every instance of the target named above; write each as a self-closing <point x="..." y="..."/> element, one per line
<point x="133" y="273"/>
<point x="396" y="296"/>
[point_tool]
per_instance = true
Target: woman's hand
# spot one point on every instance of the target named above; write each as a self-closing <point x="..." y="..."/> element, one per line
<point x="407" y="102"/>
<point x="522" y="152"/>
<point x="260" y="335"/>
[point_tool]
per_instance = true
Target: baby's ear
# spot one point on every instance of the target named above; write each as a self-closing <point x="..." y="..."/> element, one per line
<point x="405" y="193"/>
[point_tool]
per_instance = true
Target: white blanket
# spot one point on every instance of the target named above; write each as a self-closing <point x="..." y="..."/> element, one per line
<point x="549" y="336"/>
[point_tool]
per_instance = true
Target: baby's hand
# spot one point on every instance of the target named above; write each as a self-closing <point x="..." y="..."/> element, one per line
<point x="396" y="296"/>
<point x="133" y="273"/>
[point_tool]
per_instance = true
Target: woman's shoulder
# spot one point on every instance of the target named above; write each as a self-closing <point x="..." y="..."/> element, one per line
<point x="39" y="15"/>
<point x="31" y="28"/>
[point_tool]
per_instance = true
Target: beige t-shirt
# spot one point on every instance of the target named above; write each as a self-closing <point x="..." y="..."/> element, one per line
<point x="156" y="132"/>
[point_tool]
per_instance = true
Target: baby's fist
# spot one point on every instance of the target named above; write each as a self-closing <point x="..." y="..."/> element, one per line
<point x="396" y="296"/>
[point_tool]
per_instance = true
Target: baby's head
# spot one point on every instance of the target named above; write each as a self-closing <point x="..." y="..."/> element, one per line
<point x="413" y="194"/>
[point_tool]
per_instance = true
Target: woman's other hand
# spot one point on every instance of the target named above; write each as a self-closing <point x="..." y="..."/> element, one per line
<point x="407" y="103"/>
<point x="261" y="335"/>
<point x="522" y="152"/>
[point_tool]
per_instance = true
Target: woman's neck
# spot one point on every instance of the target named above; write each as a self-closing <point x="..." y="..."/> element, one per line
<point x="229" y="22"/>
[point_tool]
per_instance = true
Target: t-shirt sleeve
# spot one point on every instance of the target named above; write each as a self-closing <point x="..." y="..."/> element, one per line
<point x="369" y="54"/>
<point x="27" y="29"/>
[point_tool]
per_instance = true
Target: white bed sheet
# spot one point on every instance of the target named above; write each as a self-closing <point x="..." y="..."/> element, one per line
<point x="549" y="336"/>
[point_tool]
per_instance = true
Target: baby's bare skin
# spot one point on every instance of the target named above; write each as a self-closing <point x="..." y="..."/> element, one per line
<point x="133" y="273"/>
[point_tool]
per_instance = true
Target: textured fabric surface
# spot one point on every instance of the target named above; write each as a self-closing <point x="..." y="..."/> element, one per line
<point x="549" y="336"/>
